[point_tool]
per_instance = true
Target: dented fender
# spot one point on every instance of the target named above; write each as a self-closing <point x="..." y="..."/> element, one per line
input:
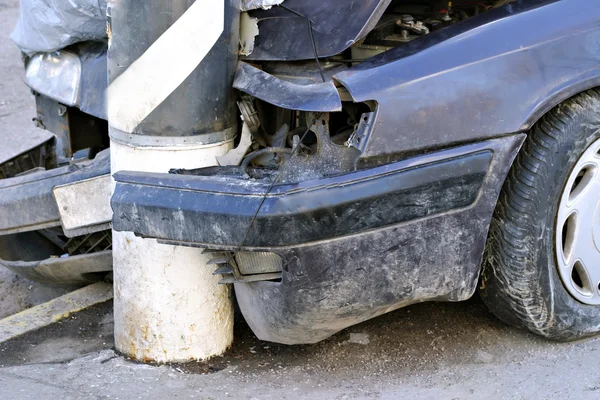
<point x="319" y="97"/>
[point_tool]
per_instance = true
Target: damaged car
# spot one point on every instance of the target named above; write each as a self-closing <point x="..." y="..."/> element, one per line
<point x="396" y="152"/>
<point x="388" y="152"/>
<point x="54" y="194"/>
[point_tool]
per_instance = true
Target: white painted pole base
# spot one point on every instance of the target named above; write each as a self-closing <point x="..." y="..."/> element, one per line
<point x="168" y="305"/>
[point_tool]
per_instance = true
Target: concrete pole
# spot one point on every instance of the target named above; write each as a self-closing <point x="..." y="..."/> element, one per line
<point x="170" y="105"/>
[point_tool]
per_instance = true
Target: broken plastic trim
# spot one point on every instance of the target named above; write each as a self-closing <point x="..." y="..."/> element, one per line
<point x="229" y="266"/>
<point x="72" y="270"/>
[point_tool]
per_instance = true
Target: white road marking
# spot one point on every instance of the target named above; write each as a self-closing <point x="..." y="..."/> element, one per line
<point x="165" y="65"/>
<point x="54" y="310"/>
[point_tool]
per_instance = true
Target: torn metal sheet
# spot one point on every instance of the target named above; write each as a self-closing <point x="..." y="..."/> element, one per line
<point x="315" y="97"/>
<point x="84" y="206"/>
<point x="247" y="5"/>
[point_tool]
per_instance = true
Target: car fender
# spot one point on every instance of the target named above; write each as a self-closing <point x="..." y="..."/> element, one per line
<point x="488" y="76"/>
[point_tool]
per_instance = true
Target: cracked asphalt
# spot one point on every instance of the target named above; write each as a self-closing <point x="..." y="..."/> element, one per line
<point x="426" y="351"/>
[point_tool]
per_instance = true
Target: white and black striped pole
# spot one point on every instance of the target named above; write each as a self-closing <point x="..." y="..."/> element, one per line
<point x="170" y="105"/>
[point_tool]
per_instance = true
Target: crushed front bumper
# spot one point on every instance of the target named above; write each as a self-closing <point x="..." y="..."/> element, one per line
<point x="37" y="206"/>
<point x="27" y="202"/>
<point x="353" y="246"/>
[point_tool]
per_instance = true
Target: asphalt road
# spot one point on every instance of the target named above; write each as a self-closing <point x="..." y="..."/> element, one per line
<point x="426" y="351"/>
<point x="17" y="106"/>
<point x="17" y="134"/>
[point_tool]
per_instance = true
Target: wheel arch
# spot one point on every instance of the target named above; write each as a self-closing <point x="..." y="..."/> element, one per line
<point x="560" y="94"/>
<point x="519" y="280"/>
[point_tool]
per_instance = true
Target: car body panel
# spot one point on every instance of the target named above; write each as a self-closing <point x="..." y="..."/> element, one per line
<point x="492" y="74"/>
<point x="480" y="82"/>
<point x="321" y="96"/>
<point x="284" y="35"/>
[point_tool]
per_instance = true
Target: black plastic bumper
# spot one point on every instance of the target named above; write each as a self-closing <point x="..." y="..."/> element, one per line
<point x="353" y="246"/>
<point x="26" y="202"/>
<point x="216" y="211"/>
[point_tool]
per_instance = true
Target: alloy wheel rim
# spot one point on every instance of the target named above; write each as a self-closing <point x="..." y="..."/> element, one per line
<point x="578" y="229"/>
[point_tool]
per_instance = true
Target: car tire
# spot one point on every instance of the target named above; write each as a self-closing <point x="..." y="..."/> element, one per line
<point x="532" y="275"/>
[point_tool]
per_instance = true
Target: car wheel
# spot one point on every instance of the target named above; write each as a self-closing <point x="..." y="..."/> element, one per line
<point x="542" y="265"/>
